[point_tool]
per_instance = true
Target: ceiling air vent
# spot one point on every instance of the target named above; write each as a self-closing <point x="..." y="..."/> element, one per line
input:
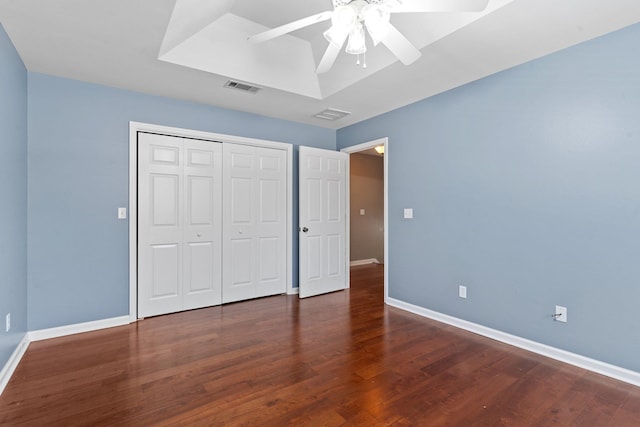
<point x="242" y="86"/>
<point x="331" y="114"/>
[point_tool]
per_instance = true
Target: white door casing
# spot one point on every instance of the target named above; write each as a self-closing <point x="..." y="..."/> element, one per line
<point x="254" y="237"/>
<point x="322" y="221"/>
<point x="180" y="226"/>
<point x="363" y="147"/>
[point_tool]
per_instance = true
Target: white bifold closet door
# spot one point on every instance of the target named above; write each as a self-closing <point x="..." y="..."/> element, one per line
<point x="179" y="225"/>
<point x="254" y="217"/>
<point x="211" y="223"/>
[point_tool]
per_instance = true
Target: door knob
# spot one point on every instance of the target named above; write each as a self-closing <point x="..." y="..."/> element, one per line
<point x="199" y="235"/>
<point x="304" y="229"/>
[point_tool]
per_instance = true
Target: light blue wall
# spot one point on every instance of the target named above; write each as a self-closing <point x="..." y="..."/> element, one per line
<point x="524" y="185"/>
<point x="13" y="196"/>
<point x="78" y="176"/>
<point x="526" y="189"/>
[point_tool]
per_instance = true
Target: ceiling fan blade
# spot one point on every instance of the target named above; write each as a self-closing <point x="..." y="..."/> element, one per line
<point x="404" y="6"/>
<point x="328" y="59"/>
<point x="291" y="26"/>
<point x="400" y="46"/>
<point x="331" y="54"/>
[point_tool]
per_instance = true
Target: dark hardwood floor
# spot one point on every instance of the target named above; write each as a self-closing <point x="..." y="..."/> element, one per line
<point x="337" y="359"/>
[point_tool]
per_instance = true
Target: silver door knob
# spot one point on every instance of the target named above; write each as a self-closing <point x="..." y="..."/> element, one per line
<point x="304" y="229"/>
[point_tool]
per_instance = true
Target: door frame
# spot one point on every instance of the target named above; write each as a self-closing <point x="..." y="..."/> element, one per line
<point x="355" y="149"/>
<point x="134" y="128"/>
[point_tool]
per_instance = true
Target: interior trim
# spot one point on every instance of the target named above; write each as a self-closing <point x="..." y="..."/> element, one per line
<point x="354" y="149"/>
<point x="43" y="334"/>
<point x="78" y="328"/>
<point x="364" y="262"/>
<point x="574" y="359"/>
<point x="11" y="365"/>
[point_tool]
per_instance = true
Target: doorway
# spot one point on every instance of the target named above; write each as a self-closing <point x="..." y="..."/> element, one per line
<point x="368" y="218"/>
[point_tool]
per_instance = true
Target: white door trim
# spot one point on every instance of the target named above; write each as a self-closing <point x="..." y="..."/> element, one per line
<point x="134" y="128"/>
<point x="354" y="149"/>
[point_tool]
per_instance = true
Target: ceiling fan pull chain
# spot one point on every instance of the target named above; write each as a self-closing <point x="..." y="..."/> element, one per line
<point x="364" y="60"/>
<point x="358" y="59"/>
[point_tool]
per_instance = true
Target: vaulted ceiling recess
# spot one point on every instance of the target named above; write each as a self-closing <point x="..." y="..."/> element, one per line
<point x="295" y="46"/>
<point x="189" y="49"/>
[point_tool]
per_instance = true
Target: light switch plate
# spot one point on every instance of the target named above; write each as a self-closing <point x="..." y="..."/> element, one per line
<point x="462" y="291"/>
<point x="408" y="213"/>
<point x="361" y="211"/>
<point x="122" y="213"/>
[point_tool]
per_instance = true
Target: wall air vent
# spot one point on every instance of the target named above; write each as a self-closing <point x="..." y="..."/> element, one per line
<point x="242" y="86"/>
<point x="331" y="114"/>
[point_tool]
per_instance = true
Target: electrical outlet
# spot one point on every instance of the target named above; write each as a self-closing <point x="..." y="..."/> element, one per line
<point x="561" y="314"/>
<point x="7" y="322"/>
<point x="462" y="291"/>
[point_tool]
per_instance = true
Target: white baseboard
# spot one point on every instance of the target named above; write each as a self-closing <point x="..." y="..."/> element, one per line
<point x="294" y="291"/>
<point x="364" y="262"/>
<point x="12" y="363"/>
<point x="44" y="334"/>
<point x="62" y="331"/>
<point x="583" y="362"/>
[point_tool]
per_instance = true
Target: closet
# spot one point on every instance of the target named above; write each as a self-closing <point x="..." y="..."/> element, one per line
<point x="211" y="223"/>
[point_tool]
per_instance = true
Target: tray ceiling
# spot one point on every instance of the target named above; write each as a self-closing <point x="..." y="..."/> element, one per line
<point x="189" y="49"/>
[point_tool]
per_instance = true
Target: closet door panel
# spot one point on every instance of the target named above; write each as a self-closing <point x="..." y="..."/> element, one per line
<point x="179" y="224"/>
<point x="160" y="242"/>
<point x="271" y="226"/>
<point x="255" y="222"/>
<point x="202" y="281"/>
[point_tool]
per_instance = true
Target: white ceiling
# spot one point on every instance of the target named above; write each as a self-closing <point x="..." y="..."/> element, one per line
<point x="203" y="44"/>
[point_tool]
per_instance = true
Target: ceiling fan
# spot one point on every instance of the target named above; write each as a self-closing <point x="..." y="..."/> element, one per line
<point x="350" y="18"/>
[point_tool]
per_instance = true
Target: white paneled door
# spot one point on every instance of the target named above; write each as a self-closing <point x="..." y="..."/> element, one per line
<point x="254" y="217"/>
<point x="322" y="221"/>
<point x="179" y="225"/>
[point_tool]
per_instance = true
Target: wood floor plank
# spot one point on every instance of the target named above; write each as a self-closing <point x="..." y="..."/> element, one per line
<point x="338" y="359"/>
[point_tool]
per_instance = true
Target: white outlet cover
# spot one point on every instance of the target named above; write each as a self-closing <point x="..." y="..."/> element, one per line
<point x="562" y="312"/>
<point x="408" y="213"/>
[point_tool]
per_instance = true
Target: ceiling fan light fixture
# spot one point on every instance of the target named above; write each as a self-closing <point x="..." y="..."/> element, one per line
<point x="344" y="17"/>
<point x="357" y="44"/>
<point x="350" y="18"/>
<point x="342" y="21"/>
<point x="377" y="22"/>
<point x="336" y="36"/>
